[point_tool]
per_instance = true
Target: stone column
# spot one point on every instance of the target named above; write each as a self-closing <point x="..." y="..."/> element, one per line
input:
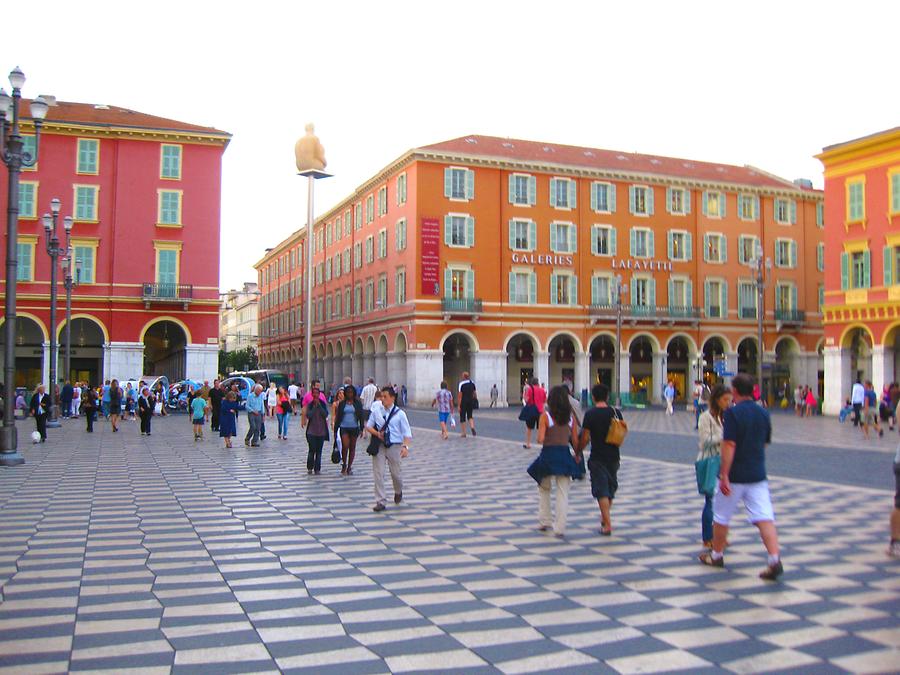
<point x="624" y="372"/>
<point x="488" y="369"/>
<point x="660" y="376"/>
<point x="356" y="369"/>
<point x="126" y="359"/>
<point x="837" y="379"/>
<point x="582" y="374"/>
<point x="542" y="367"/>
<point x="396" y="369"/>
<point x="45" y="366"/>
<point x="369" y="368"/>
<point x="425" y="370"/>
<point x="882" y="367"/>
<point x="201" y="361"/>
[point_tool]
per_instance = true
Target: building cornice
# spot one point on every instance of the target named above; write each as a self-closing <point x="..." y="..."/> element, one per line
<point x="59" y="128"/>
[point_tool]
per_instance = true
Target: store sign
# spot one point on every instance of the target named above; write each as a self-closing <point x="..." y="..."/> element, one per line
<point x="431" y="256"/>
<point x="532" y="259"/>
<point x="642" y="265"/>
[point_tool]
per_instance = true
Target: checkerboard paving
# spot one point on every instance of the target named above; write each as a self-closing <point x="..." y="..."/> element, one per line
<point x="120" y="552"/>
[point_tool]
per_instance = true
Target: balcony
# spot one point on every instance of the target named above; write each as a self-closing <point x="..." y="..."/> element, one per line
<point x="470" y="307"/>
<point x="155" y="292"/>
<point x="634" y="313"/>
<point x="792" y="316"/>
<point x="747" y="312"/>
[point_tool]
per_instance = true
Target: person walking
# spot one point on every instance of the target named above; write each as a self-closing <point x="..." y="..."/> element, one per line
<point x="129" y="412"/>
<point x="198" y="415"/>
<point x="494" y="395"/>
<point x="40" y="409"/>
<point x="315" y="420"/>
<point x="534" y="398"/>
<point x="293" y="391"/>
<point x="669" y="395"/>
<point x="603" y="464"/>
<point x="810" y="402"/>
<point x="104" y="400"/>
<point x="65" y="399"/>
<point x="403" y="395"/>
<point x="114" y="392"/>
<point x="467" y="402"/>
<point x="283" y="411"/>
<point x="870" y="410"/>
<point x="76" y="400"/>
<point x="216" y="396"/>
<point x="557" y="430"/>
<point x="146" y="402"/>
<point x="228" y="414"/>
<point x="799" y="400"/>
<point x="89" y="406"/>
<point x="443" y="399"/>
<point x="710" y="434"/>
<point x="349" y="421"/>
<point x="857" y="398"/>
<point x="390" y="425"/>
<point x="746" y="429"/>
<point x="894" y="546"/>
<point x="367" y="397"/>
<point x="255" y="411"/>
<point x="271" y="399"/>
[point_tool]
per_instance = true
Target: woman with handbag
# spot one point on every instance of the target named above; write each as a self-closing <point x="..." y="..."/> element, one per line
<point x="315" y="421"/>
<point x="604" y="430"/>
<point x="708" y="459"/>
<point x="349" y="419"/>
<point x="283" y="410"/>
<point x="534" y="397"/>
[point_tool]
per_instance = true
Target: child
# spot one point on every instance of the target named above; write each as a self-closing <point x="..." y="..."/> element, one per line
<point x="845" y="411"/>
<point x="198" y="414"/>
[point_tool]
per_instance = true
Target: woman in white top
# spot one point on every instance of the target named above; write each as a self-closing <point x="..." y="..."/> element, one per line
<point x="710" y="441"/>
<point x="76" y="399"/>
<point x="271" y="399"/>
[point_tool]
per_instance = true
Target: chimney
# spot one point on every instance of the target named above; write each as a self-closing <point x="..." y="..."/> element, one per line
<point x="805" y="183"/>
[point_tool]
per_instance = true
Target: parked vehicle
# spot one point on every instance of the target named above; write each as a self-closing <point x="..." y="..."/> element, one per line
<point x="244" y="385"/>
<point x="264" y="377"/>
<point x="178" y="394"/>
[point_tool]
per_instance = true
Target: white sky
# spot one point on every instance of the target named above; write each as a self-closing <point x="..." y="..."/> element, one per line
<point x="763" y="83"/>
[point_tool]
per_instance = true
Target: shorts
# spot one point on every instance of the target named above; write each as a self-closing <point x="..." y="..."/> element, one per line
<point x="443" y="417"/>
<point x="604" y="480"/>
<point x="352" y="432"/>
<point x="465" y="410"/>
<point x="198" y="421"/>
<point x="756" y="500"/>
<point x="897" y="485"/>
<point x="870" y="417"/>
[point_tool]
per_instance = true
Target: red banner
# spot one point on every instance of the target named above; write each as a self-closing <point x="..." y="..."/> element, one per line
<point x="430" y="250"/>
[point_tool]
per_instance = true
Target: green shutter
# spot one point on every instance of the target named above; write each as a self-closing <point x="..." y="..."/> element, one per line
<point x="845" y="271"/>
<point x="689" y="293"/>
<point x="631" y="192"/>
<point x="651" y="248"/>
<point x="595" y="231"/>
<point x="723" y="248"/>
<point x="611" y="197"/>
<point x="820" y="208"/>
<point x="649" y="192"/>
<point x="512" y="235"/>
<point x="888" y="266"/>
<point x="724" y="309"/>
<point x="573" y="193"/>
<point x="794" y="298"/>
<point x="167" y="272"/>
<point x="633" y="242"/>
<point x="573" y="238"/>
<point x="512" y="286"/>
<point x="705" y="203"/>
<point x="895" y="193"/>
<point x="669" y="199"/>
<point x="448" y="282"/>
<point x="532" y="288"/>
<point x="532" y="190"/>
<point x="687" y="201"/>
<point x="705" y="248"/>
<point x="651" y="285"/>
<point x="721" y="205"/>
<point x="470" y="283"/>
<point x="23" y="271"/>
<point x="512" y="189"/>
<point x="755" y="207"/>
<point x="553" y="297"/>
<point x="573" y="289"/>
<point x="448" y="182"/>
<point x="612" y="241"/>
<point x="867" y="269"/>
<point x="26" y="200"/>
<point x="670" y="244"/>
<point x="689" y="246"/>
<point x="793" y="251"/>
<point x="595" y="290"/>
<point x="470" y="184"/>
<point x="594" y="188"/>
<point x="552" y="192"/>
<point x="553" y="243"/>
<point x="793" y="212"/>
<point x="532" y="235"/>
<point x="671" y="295"/>
<point x="85" y="255"/>
<point x="448" y="230"/>
<point x="707" y="297"/>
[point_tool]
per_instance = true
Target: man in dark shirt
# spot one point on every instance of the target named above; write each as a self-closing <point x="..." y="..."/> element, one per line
<point x="467" y="397"/>
<point x="215" y="401"/>
<point x="604" y="462"/>
<point x="742" y="477"/>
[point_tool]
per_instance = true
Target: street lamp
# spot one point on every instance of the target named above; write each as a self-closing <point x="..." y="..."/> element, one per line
<point x="762" y="266"/>
<point x="70" y="268"/>
<point x="54" y="250"/>
<point x="618" y="292"/>
<point x="15" y="157"/>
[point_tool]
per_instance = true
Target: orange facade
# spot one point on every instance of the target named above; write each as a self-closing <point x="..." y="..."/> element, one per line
<point x="521" y="279"/>
<point x="862" y="252"/>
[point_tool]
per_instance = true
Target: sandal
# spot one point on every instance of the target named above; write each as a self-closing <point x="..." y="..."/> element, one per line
<point x="605" y="531"/>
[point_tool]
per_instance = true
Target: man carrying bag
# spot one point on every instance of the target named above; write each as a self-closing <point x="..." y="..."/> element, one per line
<point x="391" y="435"/>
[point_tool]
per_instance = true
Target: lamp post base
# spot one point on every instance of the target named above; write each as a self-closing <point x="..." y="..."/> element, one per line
<point x="9" y="455"/>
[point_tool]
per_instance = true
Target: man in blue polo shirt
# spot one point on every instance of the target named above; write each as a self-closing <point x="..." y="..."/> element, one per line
<point x="742" y="477"/>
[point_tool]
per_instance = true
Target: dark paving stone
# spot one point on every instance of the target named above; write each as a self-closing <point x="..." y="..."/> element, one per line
<point x="632" y="647"/>
<point x="225" y="668"/>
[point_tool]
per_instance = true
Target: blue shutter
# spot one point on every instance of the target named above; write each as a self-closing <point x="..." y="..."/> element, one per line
<point x="845" y="271"/>
<point x="888" y="266"/>
<point x="793" y="213"/>
<point x="573" y="289"/>
<point x="448" y="277"/>
<point x="573" y="238"/>
<point x="689" y="293"/>
<point x="793" y="251"/>
<point x="794" y="298"/>
<point x="631" y="198"/>
<point x="470" y="184"/>
<point x="532" y="288"/>
<point x="724" y="309"/>
<point x="756" y="207"/>
<point x="651" y="249"/>
<point x="724" y="248"/>
<point x="670" y="244"/>
<point x="512" y="234"/>
<point x="689" y="246"/>
<point x="595" y="231"/>
<point x="594" y="188"/>
<point x="633" y="284"/>
<point x="470" y="283"/>
<point x="705" y="248"/>
<point x="512" y="188"/>
<point x="611" y="197"/>
<point x="532" y="235"/>
<point x="721" y="205"/>
<point x="632" y="237"/>
<point x="470" y="231"/>
<point x="553" y="237"/>
<point x="553" y="192"/>
<point x="671" y="295"/>
<point x="650" y="200"/>
<point x="705" y="203"/>
<point x="448" y="182"/>
<point x="706" y="298"/>
<point x="652" y="286"/>
<point x="668" y="200"/>
<point x="532" y="190"/>
<point x="687" y="201"/>
<point x="448" y="236"/>
<point x="595" y="291"/>
<point x="612" y="241"/>
<point x="553" y="296"/>
<point x="867" y="269"/>
<point x="573" y="194"/>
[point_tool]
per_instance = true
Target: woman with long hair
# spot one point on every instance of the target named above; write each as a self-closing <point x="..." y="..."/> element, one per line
<point x="283" y="409"/>
<point x="348" y="422"/>
<point x="315" y="420"/>
<point x="115" y="404"/>
<point x="557" y="430"/>
<point x="710" y="441"/>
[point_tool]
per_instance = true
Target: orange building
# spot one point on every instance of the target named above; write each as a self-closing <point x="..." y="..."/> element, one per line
<point x="862" y="272"/>
<point x="499" y="257"/>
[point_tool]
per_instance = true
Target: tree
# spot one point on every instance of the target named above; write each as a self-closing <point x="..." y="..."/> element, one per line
<point x="242" y="359"/>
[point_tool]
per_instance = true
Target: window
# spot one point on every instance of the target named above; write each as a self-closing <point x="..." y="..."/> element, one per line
<point x="680" y="245"/>
<point x="337" y="305"/>
<point x="600" y="290"/>
<point x="640" y="199"/>
<point x="88" y="156"/>
<point x="346" y="256"/>
<point x="522" y="287"/>
<point x="85" y="260"/>
<point x="328" y="269"/>
<point x="336" y="265"/>
<point x="459" y="183"/>
<point x="681" y="293"/>
<point x="748" y="207"/>
<point x="747" y="247"/>
<point x="855" y="269"/>
<point x="167" y="259"/>
<point x="370" y="248"/>
<point x="400" y="286"/>
<point x="713" y="204"/>
<point x="382" y="200"/>
<point x="785" y="211"/>
<point x="382" y="243"/>
<point x="522" y="234"/>
<point x="338" y="229"/>
<point x="357" y="299"/>
<point x="170" y="162"/>
<point x="327" y="314"/>
<point x="401" y="189"/>
<point x="678" y="201"/>
<point x="714" y="248"/>
<point x="348" y="223"/>
<point x="357" y="216"/>
<point x="643" y="292"/>
<point x="522" y="189"/>
<point x="563" y="238"/>
<point x="856" y="195"/>
<point x="820" y="257"/>
<point x="29" y="146"/>
<point x="370" y="295"/>
<point x="25" y="256"/>
<point x="603" y="240"/>
<point x="562" y="193"/>
<point x="370" y="209"/>
<point x="348" y="306"/>
<point x="894" y="190"/>
<point x="329" y="229"/>
<point x="86" y="202"/>
<point x="28" y="192"/>
<point x="459" y="283"/>
<point x="785" y="253"/>
<point x="603" y="197"/>
<point x="400" y="235"/>
<point x="563" y="289"/>
<point x="716" y="299"/>
<point x="641" y="243"/>
<point x="747" y="299"/>
<point x="382" y="290"/>
<point x="459" y="230"/>
<point x="169" y="207"/>
<point x="785" y="297"/>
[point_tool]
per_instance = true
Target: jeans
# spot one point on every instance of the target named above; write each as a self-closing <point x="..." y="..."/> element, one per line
<point x="282" y="424"/>
<point x="104" y="408"/>
<point x="252" y="436"/>
<point x="857" y="414"/>
<point x="314" y="456"/>
<point x="706" y="519"/>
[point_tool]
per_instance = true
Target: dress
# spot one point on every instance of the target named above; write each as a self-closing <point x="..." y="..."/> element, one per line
<point x="228" y="418"/>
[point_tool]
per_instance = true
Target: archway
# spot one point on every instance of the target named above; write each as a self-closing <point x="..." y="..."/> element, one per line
<point x="330" y="378"/>
<point x="381" y="365"/>
<point x="562" y="349"/>
<point x="858" y="341"/>
<point x="747" y="355"/>
<point x="357" y="368"/>
<point x="521" y="365"/>
<point x="88" y="340"/>
<point x="603" y="360"/>
<point x="29" y="350"/>
<point x="165" y="352"/>
<point x="641" y="357"/>
<point x="369" y="361"/>
<point x="457" y="358"/>
<point x="787" y="371"/>
<point x="679" y="367"/>
<point x="397" y="363"/>
<point x="713" y="351"/>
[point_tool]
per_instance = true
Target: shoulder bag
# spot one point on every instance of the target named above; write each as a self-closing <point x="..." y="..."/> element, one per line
<point x="618" y="429"/>
<point x="374" y="441"/>
<point x="707" y="467"/>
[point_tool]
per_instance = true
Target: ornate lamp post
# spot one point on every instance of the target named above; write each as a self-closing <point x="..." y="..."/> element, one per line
<point x="70" y="280"/>
<point x="762" y="266"/>
<point x="15" y="157"/>
<point x="54" y="250"/>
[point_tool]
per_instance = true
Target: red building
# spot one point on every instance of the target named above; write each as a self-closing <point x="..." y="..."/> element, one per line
<point x="144" y="193"/>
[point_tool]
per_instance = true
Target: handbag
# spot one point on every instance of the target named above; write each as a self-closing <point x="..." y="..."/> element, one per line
<point x="335" y="456"/>
<point x="707" y="468"/>
<point x="529" y="411"/>
<point x="618" y="429"/>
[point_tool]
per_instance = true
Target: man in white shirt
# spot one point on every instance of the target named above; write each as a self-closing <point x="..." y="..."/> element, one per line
<point x="293" y="390"/>
<point x="366" y="396"/>
<point x="857" y="396"/>
<point x="396" y="435"/>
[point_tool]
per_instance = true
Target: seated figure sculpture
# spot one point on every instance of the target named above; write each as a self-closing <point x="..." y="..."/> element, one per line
<point x="309" y="152"/>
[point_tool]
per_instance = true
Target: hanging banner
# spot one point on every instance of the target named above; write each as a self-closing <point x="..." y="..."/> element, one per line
<point x="430" y="250"/>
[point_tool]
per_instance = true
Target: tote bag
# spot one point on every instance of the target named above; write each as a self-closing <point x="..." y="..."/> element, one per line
<point x="618" y="429"/>
<point x="707" y="468"/>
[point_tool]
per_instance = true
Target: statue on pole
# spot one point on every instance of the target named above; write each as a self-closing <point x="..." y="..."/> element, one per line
<point x="309" y="152"/>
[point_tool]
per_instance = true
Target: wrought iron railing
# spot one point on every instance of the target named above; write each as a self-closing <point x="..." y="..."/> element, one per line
<point x="790" y="315"/>
<point x="461" y="305"/>
<point x="167" y="292"/>
<point x="647" y="312"/>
